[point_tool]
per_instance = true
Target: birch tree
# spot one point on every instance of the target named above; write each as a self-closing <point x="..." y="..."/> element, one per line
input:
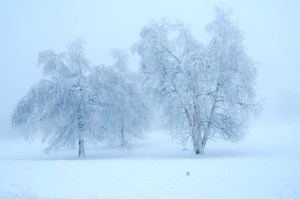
<point x="58" y="106"/>
<point x="206" y="91"/>
<point x="126" y="112"/>
<point x="169" y="69"/>
<point x="232" y="99"/>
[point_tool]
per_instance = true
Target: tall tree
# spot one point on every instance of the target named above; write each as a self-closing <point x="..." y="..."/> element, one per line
<point x="206" y="91"/>
<point x="231" y="99"/>
<point x="126" y="110"/>
<point x="58" y="106"/>
<point x="169" y="53"/>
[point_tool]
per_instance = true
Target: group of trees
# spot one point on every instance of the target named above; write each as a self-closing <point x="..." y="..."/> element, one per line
<point x="76" y="102"/>
<point x="206" y="91"/>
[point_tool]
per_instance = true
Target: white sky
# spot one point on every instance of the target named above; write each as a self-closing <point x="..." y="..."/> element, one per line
<point x="271" y="29"/>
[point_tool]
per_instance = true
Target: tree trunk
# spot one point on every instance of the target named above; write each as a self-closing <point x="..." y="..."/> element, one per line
<point x="197" y="140"/>
<point x="196" y="146"/>
<point x="203" y="143"/>
<point x="81" y="151"/>
<point x="196" y="131"/>
<point x="123" y="141"/>
<point x="207" y="132"/>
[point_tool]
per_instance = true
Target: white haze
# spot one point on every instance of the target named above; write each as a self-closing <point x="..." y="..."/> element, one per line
<point x="271" y="30"/>
<point x="264" y="165"/>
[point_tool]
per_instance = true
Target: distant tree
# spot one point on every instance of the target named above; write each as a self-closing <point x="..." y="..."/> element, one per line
<point x="59" y="106"/>
<point x="206" y="91"/>
<point x="126" y="110"/>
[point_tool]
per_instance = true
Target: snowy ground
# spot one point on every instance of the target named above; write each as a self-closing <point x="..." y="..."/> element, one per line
<point x="266" y="165"/>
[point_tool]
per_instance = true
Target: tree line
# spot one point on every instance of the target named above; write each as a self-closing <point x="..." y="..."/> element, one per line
<point x="205" y="90"/>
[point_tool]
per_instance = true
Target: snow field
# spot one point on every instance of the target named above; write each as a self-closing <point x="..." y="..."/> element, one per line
<point x="209" y="178"/>
<point x="156" y="168"/>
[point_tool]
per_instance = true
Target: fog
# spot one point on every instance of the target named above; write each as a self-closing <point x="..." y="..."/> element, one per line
<point x="271" y="30"/>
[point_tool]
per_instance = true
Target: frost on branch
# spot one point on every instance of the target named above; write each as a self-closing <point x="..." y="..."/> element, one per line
<point x="74" y="103"/>
<point x="207" y="91"/>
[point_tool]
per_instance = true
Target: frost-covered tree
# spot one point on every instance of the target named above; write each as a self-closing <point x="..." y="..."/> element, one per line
<point x="206" y="91"/>
<point x="232" y="94"/>
<point x="58" y="106"/>
<point x="74" y="102"/>
<point x="132" y="107"/>
<point x="168" y="53"/>
<point x="126" y="112"/>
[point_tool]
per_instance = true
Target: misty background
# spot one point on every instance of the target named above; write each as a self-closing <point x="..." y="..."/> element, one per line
<point x="271" y="30"/>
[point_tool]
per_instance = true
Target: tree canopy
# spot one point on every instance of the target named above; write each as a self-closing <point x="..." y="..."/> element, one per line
<point x="76" y="102"/>
<point x="207" y="91"/>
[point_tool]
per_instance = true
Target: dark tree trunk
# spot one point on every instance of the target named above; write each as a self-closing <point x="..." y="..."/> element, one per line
<point x="203" y="144"/>
<point x="123" y="141"/>
<point x="196" y="131"/>
<point x="81" y="151"/>
<point x="197" y="140"/>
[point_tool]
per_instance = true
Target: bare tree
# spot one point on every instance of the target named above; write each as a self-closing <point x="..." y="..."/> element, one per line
<point x="231" y="99"/>
<point x="170" y="77"/>
<point x="206" y="91"/>
<point x="126" y="111"/>
<point x="58" y="106"/>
